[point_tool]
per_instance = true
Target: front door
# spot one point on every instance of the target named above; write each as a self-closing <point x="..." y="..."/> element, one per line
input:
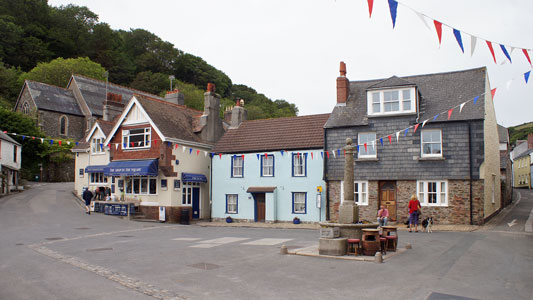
<point x="387" y="197"/>
<point x="259" y="207"/>
<point x="195" y="202"/>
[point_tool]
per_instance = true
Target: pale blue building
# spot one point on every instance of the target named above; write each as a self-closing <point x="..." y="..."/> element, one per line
<point x="270" y="170"/>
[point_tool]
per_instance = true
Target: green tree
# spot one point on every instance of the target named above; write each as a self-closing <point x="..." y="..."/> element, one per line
<point x="58" y="71"/>
<point x="195" y="70"/>
<point x="9" y="87"/>
<point x="154" y="83"/>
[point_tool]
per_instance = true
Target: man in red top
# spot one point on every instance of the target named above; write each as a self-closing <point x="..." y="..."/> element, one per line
<point x="383" y="216"/>
<point x="414" y="206"/>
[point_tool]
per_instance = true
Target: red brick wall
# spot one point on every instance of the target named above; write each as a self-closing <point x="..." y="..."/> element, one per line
<point x="172" y="213"/>
<point x="121" y="154"/>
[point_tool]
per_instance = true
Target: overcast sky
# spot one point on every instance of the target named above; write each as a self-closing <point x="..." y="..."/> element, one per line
<point x="291" y="49"/>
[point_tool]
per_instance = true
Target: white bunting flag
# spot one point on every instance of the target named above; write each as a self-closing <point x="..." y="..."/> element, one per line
<point x="42" y="141"/>
<point x="508" y="84"/>
<point x="116" y="146"/>
<point x="424" y="123"/>
<point x="461" y="107"/>
<point x="205" y="153"/>
<point x="68" y="142"/>
<point x="373" y="144"/>
<point x="397" y="136"/>
<point x="183" y="149"/>
<point x="473" y="41"/>
<point x="334" y="155"/>
<point x="421" y="16"/>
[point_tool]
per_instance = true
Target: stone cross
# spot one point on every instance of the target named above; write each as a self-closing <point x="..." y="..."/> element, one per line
<point x="348" y="211"/>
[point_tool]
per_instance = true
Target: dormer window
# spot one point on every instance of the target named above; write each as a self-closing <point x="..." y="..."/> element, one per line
<point x="136" y="138"/>
<point x="97" y="145"/>
<point x="391" y="101"/>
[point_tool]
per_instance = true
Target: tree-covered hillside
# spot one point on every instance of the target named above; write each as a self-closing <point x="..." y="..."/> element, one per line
<point x="34" y="32"/>
<point x="520" y="132"/>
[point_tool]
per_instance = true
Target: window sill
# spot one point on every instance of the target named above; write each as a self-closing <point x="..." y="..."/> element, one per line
<point x="391" y="114"/>
<point x="431" y="158"/>
<point x="367" y="159"/>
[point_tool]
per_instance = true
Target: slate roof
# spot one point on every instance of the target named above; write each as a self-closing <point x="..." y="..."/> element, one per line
<point x="94" y="92"/>
<point x="6" y="137"/>
<point x="292" y="133"/>
<point x="503" y="133"/>
<point x="106" y="127"/>
<point x="526" y="153"/>
<point x="173" y="120"/>
<point x="53" y="98"/>
<point x="504" y="158"/>
<point x="437" y="94"/>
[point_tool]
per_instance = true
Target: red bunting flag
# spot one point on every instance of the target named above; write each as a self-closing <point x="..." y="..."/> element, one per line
<point x="177" y="146"/>
<point x="327" y="154"/>
<point x="491" y="50"/>
<point x="59" y="142"/>
<point x="344" y="150"/>
<point x="370" y="5"/>
<point x="527" y="55"/>
<point x="366" y="148"/>
<point x="155" y="142"/>
<point x="298" y="155"/>
<point x="197" y="152"/>
<point x="493" y="92"/>
<point x="438" y="27"/>
<point x="450" y="113"/>
<point x="390" y="140"/>
<point x="266" y="155"/>
<point x="311" y="155"/>
<point x="243" y="157"/>
<point x="416" y="126"/>
<point x="132" y="144"/>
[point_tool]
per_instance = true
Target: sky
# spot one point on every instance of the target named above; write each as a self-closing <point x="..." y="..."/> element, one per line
<point x="291" y="49"/>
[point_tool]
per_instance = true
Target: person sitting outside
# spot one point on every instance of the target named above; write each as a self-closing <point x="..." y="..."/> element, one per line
<point x="383" y="216"/>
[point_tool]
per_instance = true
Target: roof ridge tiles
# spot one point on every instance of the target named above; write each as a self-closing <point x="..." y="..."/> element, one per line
<point x="115" y="84"/>
<point x="169" y="103"/>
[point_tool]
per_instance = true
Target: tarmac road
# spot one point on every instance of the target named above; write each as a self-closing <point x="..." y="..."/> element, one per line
<point x="50" y="249"/>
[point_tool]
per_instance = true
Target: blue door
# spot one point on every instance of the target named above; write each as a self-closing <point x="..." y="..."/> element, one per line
<point x="195" y="202"/>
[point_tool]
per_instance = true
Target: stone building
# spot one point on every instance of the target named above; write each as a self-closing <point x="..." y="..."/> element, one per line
<point x="506" y="166"/>
<point x="10" y="162"/>
<point x="415" y="136"/>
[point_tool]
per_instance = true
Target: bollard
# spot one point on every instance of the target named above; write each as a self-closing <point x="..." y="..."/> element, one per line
<point x="408" y="246"/>
<point x="378" y="258"/>
<point x="284" y="249"/>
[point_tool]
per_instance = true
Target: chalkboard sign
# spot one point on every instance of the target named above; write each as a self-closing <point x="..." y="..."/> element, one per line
<point x="116" y="209"/>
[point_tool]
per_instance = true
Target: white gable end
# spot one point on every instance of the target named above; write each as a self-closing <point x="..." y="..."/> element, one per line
<point x="135" y="116"/>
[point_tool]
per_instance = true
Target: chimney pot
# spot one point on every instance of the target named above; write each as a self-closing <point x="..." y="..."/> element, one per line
<point x="343" y="69"/>
<point x="238" y="102"/>
<point x="210" y="87"/>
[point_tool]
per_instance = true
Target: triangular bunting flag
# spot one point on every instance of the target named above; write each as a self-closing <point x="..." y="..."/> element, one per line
<point x="381" y="141"/>
<point x="51" y="142"/>
<point x="390" y="139"/>
<point x="527" y="55"/>
<point x="333" y="152"/>
<point x="370" y="5"/>
<point x="526" y="76"/>
<point x="416" y="127"/>
<point x="397" y="136"/>
<point x="59" y="142"/>
<point x="266" y="155"/>
<point x="322" y="154"/>
<point x="190" y="150"/>
<point x="23" y="137"/>
<point x="132" y="144"/>
<point x="197" y="152"/>
<point x="475" y="99"/>
<point x="406" y="131"/>
<point x="493" y="92"/>
<point x="205" y="153"/>
<point x="435" y="117"/>
<point x="257" y="156"/>
<point x="242" y="157"/>
<point x="68" y="142"/>
<point x="123" y="145"/>
<point x="450" y="113"/>
<point x="457" y="34"/>
<point x="506" y="53"/>
<point x="282" y="152"/>
<point x="339" y="152"/>
<point x="421" y="16"/>
<point x="344" y="150"/>
<point x="461" y="107"/>
<point x="116" y="146"/>
<point x="366" y="150"/>
<point x="357" y="148"/>
<point x="327" y="154"/>
<point x="373" y="144"/>
<point x="311" y="155"/>
<point x="393" y="5"/>
<point x="101" y="146"/>
<point x="473" y="41"/>
<point x="77" y="143"/>
<point x="424" y="123"/>
<point x="183" y="149"/>
<point x="438" y="28"/>
<point x="155" y="142"/>
<point x="220" y="155"/>
<point x="491" y="50"/>
<point x="176" y="147"/>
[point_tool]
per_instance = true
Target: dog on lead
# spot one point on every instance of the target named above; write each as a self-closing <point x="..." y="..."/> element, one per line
<point x="427" y="223"/>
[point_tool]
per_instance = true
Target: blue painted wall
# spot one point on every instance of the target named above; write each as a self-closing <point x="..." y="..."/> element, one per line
<point x="279" y="204"/>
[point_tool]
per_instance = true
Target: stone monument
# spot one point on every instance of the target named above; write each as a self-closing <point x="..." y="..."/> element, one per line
<point x="334" y="236"/>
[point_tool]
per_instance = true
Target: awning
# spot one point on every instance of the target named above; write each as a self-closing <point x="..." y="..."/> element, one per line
<point x="132" y="168"/>
<point x="261" y="189"/>
<point x="191" y="177"/>
<point x="95" y="169"/>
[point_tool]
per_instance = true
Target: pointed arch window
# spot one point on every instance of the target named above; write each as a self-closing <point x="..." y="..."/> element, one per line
<point x="26" y="108"/>
<point x="63" y="124"/>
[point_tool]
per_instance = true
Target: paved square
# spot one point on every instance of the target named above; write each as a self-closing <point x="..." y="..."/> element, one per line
<point x="186" y="239"/>
<point x="223" y="240"/>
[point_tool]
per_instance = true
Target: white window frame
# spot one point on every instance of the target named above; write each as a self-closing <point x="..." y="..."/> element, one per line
<point x="369" y="145"/>
<point x="422" y="191"/>
<point x="425" y="131"/>
<point x="97" y="178"/>
<point x="140" y="180"/>
<point x="95" y="145"/>
<point x="372" y="93"/>
<point x="299" y="168"/>
<point x="146" y="141"/>
<point x="235" y="168"/>
<point x="232" y="201"/>
<point x="267" y="167"/>
<point x="360" y="194"/>
<point x="300" y="201"/>
<point x="186" y="194"/>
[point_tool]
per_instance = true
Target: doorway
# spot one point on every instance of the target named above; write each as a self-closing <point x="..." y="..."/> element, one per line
<point x="387" y="197"/>
<point x="259" y="207"/>
<point x="195" y="202"/>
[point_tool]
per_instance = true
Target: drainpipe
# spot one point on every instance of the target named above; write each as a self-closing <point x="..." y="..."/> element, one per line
<point x="325" y="177"/>
<point x="470" y="167"/>
<point x="211" y="188"/>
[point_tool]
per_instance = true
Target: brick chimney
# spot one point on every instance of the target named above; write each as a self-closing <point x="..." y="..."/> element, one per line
<point x="343" y="85"/>
<point x="530" y="141"/>
<point x="238" y="114"/>
<point x="113" y="106"/>
<point x="210" y="120"/>
<point x="175" y="97"/>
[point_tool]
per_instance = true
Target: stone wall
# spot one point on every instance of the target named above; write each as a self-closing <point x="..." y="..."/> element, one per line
<point x="49" y="122"/>
<point x="457" y="212"/>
